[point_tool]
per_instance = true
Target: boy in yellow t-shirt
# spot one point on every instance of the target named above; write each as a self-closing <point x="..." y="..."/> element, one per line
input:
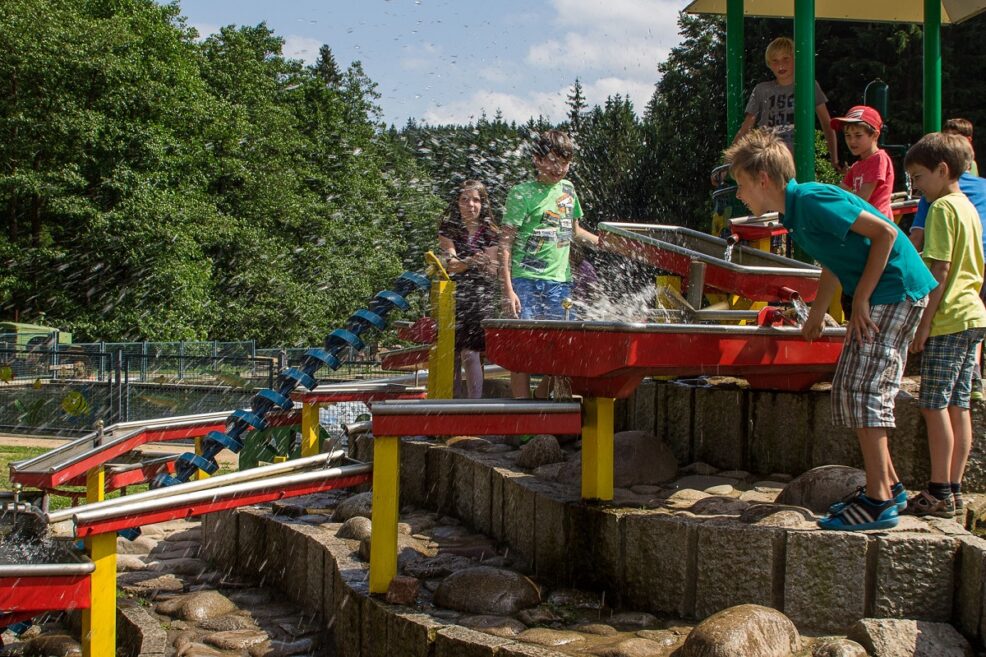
<point x="954" y="322"/>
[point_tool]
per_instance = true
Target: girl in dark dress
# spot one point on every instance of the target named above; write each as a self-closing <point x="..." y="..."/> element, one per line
<point x="469" y="239"/>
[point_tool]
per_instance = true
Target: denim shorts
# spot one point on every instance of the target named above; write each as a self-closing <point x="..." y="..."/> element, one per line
<point x="541" y="299"/>
<point x="947" y="367"/>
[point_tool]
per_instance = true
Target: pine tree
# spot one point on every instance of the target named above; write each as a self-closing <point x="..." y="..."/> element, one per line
<point x="576" y="107"/>
<point x="326" y="68"/>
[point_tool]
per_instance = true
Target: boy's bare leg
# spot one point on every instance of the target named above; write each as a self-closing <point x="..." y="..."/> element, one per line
<point x="473" y="364"/>
<point x="941" y="443"/>
<point x="961" y="421"/>
<point x="876" y="458"/>
<point x="520" y="385"/>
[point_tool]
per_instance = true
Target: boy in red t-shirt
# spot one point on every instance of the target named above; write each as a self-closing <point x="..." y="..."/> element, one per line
<point x="872" y="176"/>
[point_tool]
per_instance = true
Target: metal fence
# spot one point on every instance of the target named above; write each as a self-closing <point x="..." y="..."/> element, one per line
<point x="66" y="391"/>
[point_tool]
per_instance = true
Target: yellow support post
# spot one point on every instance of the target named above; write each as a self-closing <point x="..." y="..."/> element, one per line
<point x="386" y="501"/>
<point x="99" y="620"/>
<point x="441" y="358"/>
<point x="597" y="449"/>
<point x="199" y="449"/>
<point x="835" y="307"/>
<point x="279" y="459"/>
<point x="309" y="429"/>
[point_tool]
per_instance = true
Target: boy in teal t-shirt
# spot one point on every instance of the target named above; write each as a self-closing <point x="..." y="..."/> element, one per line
<point x="955" y="321"/>
<point x="876" y="264"/>
<point x="540" y="220"/>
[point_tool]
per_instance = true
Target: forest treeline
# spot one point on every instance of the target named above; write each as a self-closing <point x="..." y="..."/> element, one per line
<point x="158" y="185"/>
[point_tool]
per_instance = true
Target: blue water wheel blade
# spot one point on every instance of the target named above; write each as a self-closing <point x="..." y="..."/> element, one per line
<point x="130" y="534"/>
<point x="297" y="378"/>
<point x="199" y="462"/>
<point x="277" y="399"/>
<point x="163" y="480"/>
<point x="246" y="417"/>
<point x="323" y="357"/>
<point x="369" y="318"/>
<point x="417" y="280"/>
<point x="223" y="440"/>
<point x="342" y="337"/>
<point x="391" y="298"/>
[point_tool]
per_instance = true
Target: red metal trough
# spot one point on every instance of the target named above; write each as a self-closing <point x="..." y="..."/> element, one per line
<point x="607" y="359"/>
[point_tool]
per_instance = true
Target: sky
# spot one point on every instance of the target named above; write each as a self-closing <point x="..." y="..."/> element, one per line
<point x="446" y="61"/>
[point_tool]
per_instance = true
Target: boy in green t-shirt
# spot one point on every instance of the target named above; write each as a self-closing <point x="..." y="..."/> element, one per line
<point x="540" y="220"/>
<point x="954" y="323"/>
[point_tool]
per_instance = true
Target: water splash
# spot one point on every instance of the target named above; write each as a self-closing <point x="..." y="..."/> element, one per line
<point x="801" y="310"/>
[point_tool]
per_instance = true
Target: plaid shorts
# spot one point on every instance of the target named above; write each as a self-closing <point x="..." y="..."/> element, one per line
<point x="947" y="367"/>
<point x="867" y="377"/>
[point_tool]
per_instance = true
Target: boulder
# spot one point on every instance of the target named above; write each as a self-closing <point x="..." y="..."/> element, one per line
<point x="197" y="606"/>
<point x="891" y="637"/>
<point x="639" y="458"/>
<point x="53" y="645"/>
<point x="743" y="631"/>
<point x="357" y="527"/>
<point x="360" y="504"/>
<point x="838" y="648"/>
<point x="540" y="450"/>
<point x="821" y="487"/>
<point x="485" y="590"/>
<point x="543" y="636"/>
<point x="502" y="626"/>
<point x="635" y="647"/>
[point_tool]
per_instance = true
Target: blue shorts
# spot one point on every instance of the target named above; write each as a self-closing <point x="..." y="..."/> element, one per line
<point x="947" y="366"/>
<point x="541" y="299"/>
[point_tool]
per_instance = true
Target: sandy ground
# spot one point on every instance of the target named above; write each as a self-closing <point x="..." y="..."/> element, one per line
<point x="10" y="440"/>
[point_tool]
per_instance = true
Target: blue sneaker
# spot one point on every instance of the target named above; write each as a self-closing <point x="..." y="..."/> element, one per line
<point x="858" y="516"/>
<point x="898" y="492"/>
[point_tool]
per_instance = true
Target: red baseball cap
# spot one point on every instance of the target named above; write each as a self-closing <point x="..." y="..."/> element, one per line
<point x="860" y="114"/>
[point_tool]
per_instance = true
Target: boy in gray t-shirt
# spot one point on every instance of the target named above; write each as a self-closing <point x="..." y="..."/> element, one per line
<point x="772" y="102"/>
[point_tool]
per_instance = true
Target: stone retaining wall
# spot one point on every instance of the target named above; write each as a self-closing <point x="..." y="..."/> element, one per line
<point x="790" y="432"/>
<point x="680" y="564"/>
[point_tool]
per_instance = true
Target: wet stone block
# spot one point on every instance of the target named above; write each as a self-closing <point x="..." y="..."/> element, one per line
<point x="552" y="548"/>
<point x="414" y="466"/>
<point x="497" y="527"/>
<point x="738" y="564"/>
<point x="462" y="487"/>
<point x="274" y="567"/>
<point x="720" y="428"/>
<point x="482" y="481"/>
<point x="376" y="621"/>
<point x="314" y="576"/>
<point x="295" y="579"/>
<point x="518" y="515"/>
<point x="251" y="541"/>
<point x="642" y="407"/>
<point x="596" y="548"/>
<point x="659" y="563"/>
<point x="825" y="579"/>
<point x="780" y="432"/>
<point x="219" y="540"/>
<point x="969" y="595"/>
<point x="348" y="630"/>
<point x="441" y="474"/>
<point x="463" y="642"/>
<point x="914" y="577"/>
<point x="412" y="635"/>
<point x="676" y="409"/>
<point x="528" y="650"/>
<point x="832" y="444"/>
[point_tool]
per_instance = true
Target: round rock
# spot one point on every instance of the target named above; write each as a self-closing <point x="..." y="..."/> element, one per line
<point x="543" y="636"/>
<point x="540" y="450"/>
<point x="821" y="487"/>
<point x="743" y="631"/>
<point x="53" y="645"/>
<point x="357" y="527"/>
<point x="485" y="590"/>
<point x="502" y="626"/>
<point x="635" y="647"/>
<point x="360" y="504"/>
<point x="197" y="606"/>
<point x="838" y="648"/>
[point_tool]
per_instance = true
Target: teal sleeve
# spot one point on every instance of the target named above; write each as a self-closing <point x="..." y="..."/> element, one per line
<point x="514" y="210"/>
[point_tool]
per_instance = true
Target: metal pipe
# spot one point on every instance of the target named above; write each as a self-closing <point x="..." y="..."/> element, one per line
<point x="124" y="506"/>
<point x="357" y="428"/>
<point x="46" y="570"/>
<point x="207" y="483"/>
<point x="473" y="407"/>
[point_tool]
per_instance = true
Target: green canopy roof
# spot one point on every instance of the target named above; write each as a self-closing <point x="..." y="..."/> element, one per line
<point x="882" y="11"/>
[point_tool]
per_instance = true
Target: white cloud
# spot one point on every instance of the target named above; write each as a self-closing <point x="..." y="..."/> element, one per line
<point x="300" y="47"/>
<point x="625" y="37"/>
<point x="515" y="107"/>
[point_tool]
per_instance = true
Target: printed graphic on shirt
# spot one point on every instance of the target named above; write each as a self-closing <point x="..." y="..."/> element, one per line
<point x="554" y="231"/>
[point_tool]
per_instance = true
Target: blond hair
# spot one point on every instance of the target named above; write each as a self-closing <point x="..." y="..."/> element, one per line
<point x="761" y="151"/>
<point x="937" y="147"/>
<point x="780" y="45"/>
